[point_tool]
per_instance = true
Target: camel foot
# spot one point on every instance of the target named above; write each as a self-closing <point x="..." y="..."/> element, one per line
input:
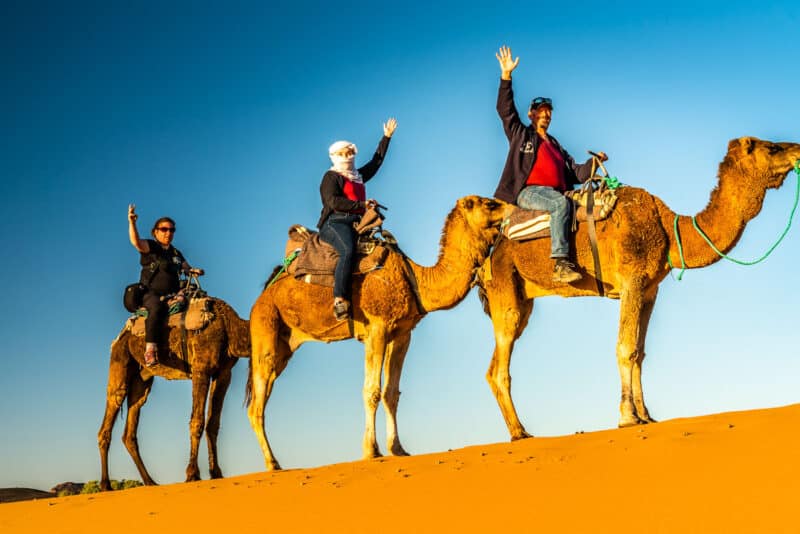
<point x="370" y="454"/>
<point x="273" y="466"/>
<point x="149" y="482"/>
<point x="215" y="472"/>
<point x="629" y="421"/>
<point x="194" y="477"/>
<point x="399" y="451"/>
<point x="520" y="435"/>
<point x="105" y="485"/>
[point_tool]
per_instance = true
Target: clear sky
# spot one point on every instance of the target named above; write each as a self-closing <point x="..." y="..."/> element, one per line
<point x="220" y="116"/>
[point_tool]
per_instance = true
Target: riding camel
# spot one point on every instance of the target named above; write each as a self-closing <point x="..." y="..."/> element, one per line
<point x="211" y="354"/>
<point x="634" y="244"/>
<point x="387" y="305"/>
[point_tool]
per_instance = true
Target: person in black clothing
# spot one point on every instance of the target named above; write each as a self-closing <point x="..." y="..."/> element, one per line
<point x="344" y="200"/>
<point x="162" y="265"/>
<point x="538" y="170"/>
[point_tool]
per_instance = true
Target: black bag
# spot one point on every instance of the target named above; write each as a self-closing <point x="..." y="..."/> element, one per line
<point x="134" y="296"/>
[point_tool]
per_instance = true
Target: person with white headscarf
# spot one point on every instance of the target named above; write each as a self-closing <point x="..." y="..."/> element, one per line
<point x="344" y="201"/>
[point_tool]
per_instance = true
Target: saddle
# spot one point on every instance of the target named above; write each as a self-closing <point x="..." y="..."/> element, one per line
<point x="521" y="224"/>
<point x="314" y="260"/>
<point x="195" y="316"/>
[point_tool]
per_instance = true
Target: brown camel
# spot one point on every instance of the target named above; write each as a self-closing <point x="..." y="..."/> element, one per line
<point x="211" y="352"/>
<point x="633" y="247"/>
<point x="386" y="310"/>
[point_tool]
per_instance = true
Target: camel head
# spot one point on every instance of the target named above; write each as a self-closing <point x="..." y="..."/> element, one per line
<point x="766" y="162"/>
<point x="483" y="215"/>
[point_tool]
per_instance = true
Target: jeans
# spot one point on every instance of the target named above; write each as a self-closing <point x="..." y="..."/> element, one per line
<point x="337" y="230"/>
<point x="539" y="197"/>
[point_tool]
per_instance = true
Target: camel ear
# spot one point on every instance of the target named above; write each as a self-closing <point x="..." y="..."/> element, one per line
<point x="747" y="144"/>
<point x="468" y="203"/>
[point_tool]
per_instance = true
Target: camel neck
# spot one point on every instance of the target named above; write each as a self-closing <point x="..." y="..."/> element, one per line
<point x="446" y="283"/>
<point x="733" y="203"/>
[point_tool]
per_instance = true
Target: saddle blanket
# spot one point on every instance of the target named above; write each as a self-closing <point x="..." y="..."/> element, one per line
<point x="198" y="315"/>
<point x="521" y="224"/>
<point x="316" y="259"/>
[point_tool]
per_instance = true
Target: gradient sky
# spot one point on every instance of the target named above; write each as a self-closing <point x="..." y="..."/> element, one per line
<point x="220" y="116"/>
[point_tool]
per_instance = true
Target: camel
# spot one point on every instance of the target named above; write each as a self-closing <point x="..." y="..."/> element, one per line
<point x="212" y="353"/>
<point x="387" y="304"/>
<point x="634" y="244"/>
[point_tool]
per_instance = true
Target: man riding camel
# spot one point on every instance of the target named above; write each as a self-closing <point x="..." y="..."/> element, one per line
<point x="538" y="170"/>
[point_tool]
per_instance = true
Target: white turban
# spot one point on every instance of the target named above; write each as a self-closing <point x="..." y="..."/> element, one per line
<point x="344" y="165"/>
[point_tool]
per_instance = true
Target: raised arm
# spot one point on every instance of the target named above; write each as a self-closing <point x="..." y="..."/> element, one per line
<point x="369" y="170"/>
<point x="512" y="125"/>
<point x="139" y="244"/>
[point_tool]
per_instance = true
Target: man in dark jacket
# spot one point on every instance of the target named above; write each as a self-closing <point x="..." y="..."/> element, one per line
<point x="538" y="170"/>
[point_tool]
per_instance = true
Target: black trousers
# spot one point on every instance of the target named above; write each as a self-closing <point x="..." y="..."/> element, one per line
<point x="337" y="230"/>
<point x="156" y="316"/>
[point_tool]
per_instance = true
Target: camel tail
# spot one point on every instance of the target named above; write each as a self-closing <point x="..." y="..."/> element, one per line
<point x="248" y="388"/>
<point x="484" y="300"/>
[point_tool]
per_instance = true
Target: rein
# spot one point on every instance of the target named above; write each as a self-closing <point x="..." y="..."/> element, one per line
<point x="719" y="252"/>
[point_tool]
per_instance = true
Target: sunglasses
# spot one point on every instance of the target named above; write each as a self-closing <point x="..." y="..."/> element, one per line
<point x="541" y="101"/>
<point x="166" y="229"/>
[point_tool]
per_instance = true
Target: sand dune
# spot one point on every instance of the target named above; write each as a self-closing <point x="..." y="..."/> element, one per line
<point x="730" y="472"/>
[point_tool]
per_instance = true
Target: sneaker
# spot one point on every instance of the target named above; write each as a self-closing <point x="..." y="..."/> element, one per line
<point x="565" y="272"/>
<point x="150" y="357"/>
<point x="341" y="310"/>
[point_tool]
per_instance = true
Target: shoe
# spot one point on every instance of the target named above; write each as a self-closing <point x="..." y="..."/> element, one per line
<point x="150" y="357"/>
<point x="565" y="272"/>
<point x="341" y="310"/>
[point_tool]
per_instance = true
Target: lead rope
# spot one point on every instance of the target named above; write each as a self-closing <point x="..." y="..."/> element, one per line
<point x="723" y="255"/>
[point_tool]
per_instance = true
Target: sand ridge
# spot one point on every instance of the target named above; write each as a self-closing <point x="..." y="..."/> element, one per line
<point x="730" y="472"/>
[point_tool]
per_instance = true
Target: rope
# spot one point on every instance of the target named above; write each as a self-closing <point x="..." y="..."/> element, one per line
<point x="723" y="255"/>
<point x="286" y="262"/>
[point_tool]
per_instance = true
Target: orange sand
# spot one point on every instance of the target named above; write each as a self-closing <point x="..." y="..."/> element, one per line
<point x="731" y="472"/>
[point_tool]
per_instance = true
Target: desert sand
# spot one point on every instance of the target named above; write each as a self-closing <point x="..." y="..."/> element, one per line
<point x="729" y="472"/>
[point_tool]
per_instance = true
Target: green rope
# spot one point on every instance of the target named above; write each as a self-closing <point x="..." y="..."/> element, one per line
<point x="286" y="262"/>
<point x="612" y="182"/>
<point x="723" y="255"/>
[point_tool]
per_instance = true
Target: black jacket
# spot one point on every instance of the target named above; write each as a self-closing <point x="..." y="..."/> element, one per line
<point x="523" y="146"/>
<point x="332" y="187"/>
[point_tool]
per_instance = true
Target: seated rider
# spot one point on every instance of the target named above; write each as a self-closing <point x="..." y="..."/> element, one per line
<point x="538" y="170"/>
<point x="344" y="200"/>
<point x="162" y="265"/>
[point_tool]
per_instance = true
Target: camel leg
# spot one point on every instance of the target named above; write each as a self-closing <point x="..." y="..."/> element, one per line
<point x="116" y="392"/>
<point x="630" y="317"/>
<point x="138" y="390"/>
<point x="269" y="358"/>
<point x="200" y="384"/>
<point x="375" y="348"/>
<point x="392" y="368"/>
<point x="219" y="387"/>
<point x="509" y="318"/>
<point x="636" y="378"/>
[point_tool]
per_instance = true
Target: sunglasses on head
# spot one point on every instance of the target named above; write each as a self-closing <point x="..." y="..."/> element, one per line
<point x="541" y="101"/>
<point x="166" y="229"/>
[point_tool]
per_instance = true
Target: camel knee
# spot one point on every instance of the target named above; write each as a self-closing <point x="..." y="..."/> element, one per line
<point x="371" y="398"/>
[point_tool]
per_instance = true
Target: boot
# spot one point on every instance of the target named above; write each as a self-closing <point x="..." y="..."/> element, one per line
<point x="151" y="355"/>
<point x="564" y="272"/>
<point x="341" y="309"/>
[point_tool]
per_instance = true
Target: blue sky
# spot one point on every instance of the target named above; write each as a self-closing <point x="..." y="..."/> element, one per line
<point x="220" y="116"/>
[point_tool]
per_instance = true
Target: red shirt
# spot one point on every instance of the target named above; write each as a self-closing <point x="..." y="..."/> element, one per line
<point x="548" y="169"/>
<point x="355" y="191"/>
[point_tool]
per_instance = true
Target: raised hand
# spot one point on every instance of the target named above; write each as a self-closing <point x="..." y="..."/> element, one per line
<point x="132" y="213"/>
<point x="506" y="63"/>
<point x="389" y="127"/>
